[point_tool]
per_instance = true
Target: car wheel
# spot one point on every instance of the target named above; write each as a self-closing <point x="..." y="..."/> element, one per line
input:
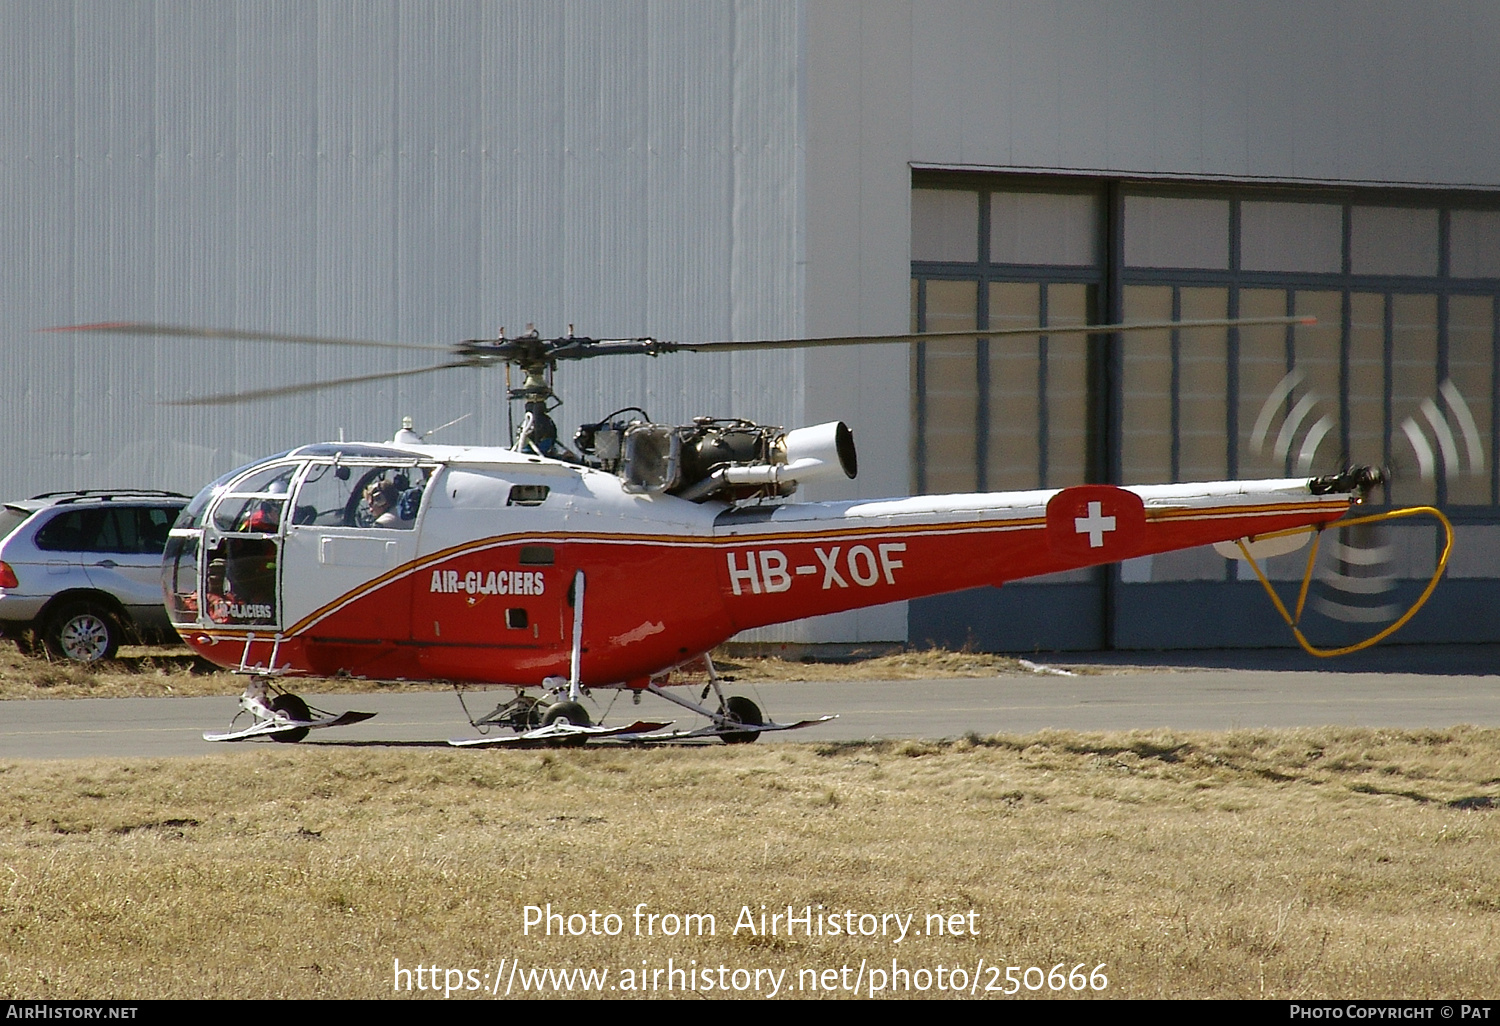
<point x="83" y="633"/>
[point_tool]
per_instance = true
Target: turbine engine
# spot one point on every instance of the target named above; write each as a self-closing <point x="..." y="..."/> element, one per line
<point x="717" y="458"/>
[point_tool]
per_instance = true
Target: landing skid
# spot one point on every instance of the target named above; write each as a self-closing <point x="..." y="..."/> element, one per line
<point x="278" y="726"/>
<point x="555" y="719"/>
<point x="732" y="731"/>
<point x="563" y="733"/>
<point x="284" y="717"/>
<point x="736" y="720"/>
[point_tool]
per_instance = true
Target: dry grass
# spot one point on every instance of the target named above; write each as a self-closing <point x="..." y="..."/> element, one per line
<point x="141" y="673"/>
<point x="917" y="664"/>
<point x="1310" y="863"/>
<point x="161" y="671"/>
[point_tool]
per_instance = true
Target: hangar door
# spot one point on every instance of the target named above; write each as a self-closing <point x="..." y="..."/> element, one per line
<point x="1399" y="371"/>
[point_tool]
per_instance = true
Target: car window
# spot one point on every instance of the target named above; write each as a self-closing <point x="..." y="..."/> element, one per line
<point x="117" y="532"/>
<point x="155" y="523"/>
<point x="118" y="529"/>
<point x="66" y="531"/>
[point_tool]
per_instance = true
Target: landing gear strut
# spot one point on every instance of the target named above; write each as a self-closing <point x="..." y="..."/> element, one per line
<point x="728" y="721"/>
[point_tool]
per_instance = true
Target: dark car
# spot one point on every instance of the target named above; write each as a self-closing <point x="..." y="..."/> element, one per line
<point x="80" y="572"/>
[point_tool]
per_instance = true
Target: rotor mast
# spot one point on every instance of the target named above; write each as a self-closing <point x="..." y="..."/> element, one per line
<point x="530" y="353"/>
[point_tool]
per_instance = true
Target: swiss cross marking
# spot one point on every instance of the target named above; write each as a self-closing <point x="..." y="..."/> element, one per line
<point x="1094" y="525"/>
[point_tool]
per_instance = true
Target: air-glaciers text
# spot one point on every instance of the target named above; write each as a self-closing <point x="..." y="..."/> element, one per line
<point x="491" y="582"/>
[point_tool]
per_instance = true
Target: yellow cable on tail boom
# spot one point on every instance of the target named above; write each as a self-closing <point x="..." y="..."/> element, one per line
<point x="1292" y="620"/>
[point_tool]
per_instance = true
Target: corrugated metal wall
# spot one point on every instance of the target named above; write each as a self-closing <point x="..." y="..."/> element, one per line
<point x="1399" y="91"/>
<point x="415" y="171"/>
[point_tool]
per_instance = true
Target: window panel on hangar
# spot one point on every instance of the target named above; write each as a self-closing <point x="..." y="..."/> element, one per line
<point x="1404" y="354"/>
<point x="1004" y="413"/>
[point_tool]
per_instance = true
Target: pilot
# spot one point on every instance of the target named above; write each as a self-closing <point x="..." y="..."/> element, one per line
<point x="381" y="498"/>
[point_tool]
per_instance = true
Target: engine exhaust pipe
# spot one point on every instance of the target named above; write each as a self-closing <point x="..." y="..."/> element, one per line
<point x="812" y="449"/>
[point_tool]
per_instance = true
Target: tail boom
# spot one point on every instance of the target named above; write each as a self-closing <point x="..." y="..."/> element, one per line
<point x="806" y="559"/>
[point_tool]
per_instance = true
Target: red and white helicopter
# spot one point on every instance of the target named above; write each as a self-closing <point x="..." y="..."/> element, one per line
<point x="557" y="572"/>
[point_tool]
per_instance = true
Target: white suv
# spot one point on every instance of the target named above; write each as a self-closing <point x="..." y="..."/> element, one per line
<point x="80" y="572"/>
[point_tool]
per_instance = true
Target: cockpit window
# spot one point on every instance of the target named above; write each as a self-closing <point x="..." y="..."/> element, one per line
<point x="192" y="514"/>
<point x="271" y="479"/>
<point x="340" y="495"/>
<point x="180" y="578"/>
<point x="255" y="503"/>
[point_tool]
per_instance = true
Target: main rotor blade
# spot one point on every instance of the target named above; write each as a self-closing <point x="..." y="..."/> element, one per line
<point x="234" y="334"/>
<point x="1061" y="329"/>
<point x="229" y="398"/>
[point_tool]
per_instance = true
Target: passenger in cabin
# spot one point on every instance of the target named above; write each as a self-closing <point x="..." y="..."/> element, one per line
<point x="411" y="496"/>
<point x="265" y="518"/>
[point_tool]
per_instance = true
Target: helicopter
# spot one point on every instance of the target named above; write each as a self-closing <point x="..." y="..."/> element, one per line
<point x="621" y="563"/>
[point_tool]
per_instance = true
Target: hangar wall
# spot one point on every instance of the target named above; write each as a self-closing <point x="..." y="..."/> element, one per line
<point x="406" y="170"/>
<point x="1396" y="92"/>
